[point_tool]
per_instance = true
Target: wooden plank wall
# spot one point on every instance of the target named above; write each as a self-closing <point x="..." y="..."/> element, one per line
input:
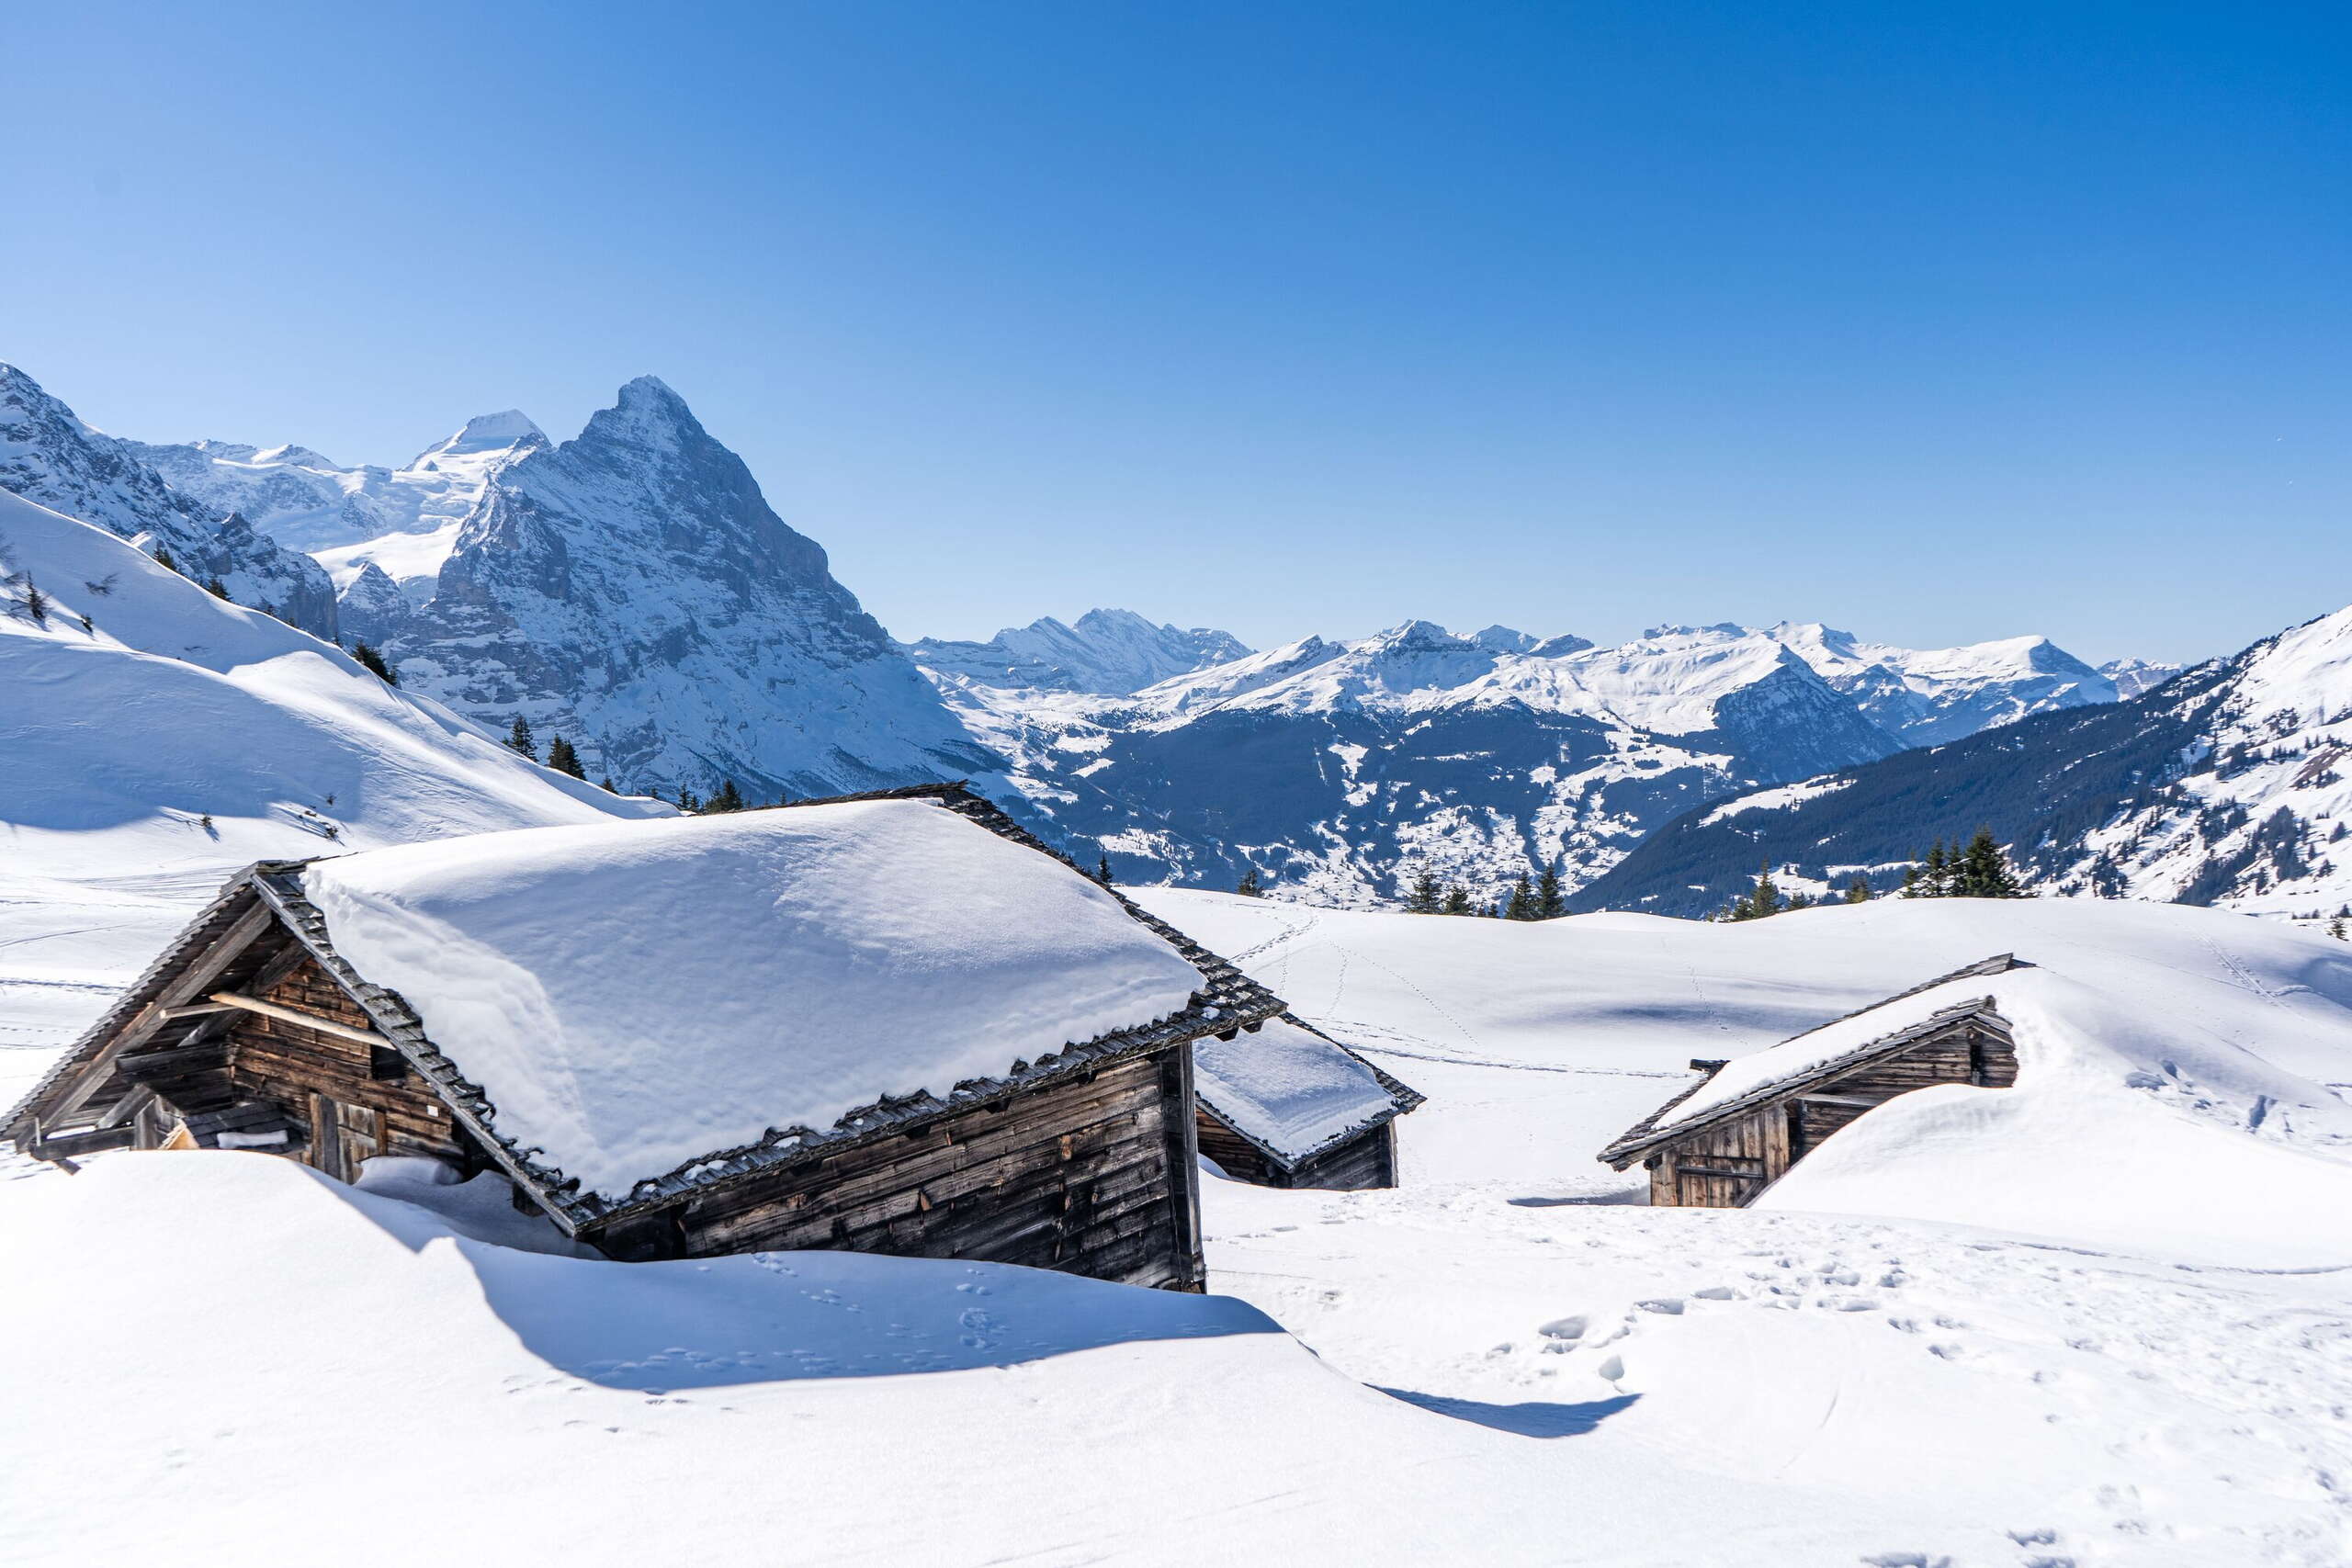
<point x="319" y="1079"/>
<point x="1084" y="1175"/>
<point x="1722" y="1166"/>
<point x="1367" y="1160"/>
<point x="1235" y="1155"/>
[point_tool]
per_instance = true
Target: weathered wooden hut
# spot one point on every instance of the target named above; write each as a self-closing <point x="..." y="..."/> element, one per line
<point x="1733" y="1132"/>
<point x="1289" y="1106"/>
<point x="891" y="1022"/>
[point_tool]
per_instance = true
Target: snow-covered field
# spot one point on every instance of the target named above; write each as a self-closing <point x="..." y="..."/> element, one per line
<point x="2105" y="1317"/>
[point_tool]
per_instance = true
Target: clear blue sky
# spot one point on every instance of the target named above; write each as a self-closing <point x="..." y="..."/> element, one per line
<point x="1937" y="322"/>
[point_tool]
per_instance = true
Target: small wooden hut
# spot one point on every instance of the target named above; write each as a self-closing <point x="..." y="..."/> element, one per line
<point x="1733" y="1132"/>
<point x="891" y="1069"/>
<point x="1289" y="1106"/>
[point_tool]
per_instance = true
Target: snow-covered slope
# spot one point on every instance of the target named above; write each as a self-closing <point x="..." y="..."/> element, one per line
<point x="1509" y="1366"/>
<point x="311" y="503"/>
<point x="1108" y="651"/>
<point x="174" y="738"/>
<point x="2227" y="785"/>
<point x="48" y="455"/>
<point x="631" y="590"/>
<point x="1925" y="697"/>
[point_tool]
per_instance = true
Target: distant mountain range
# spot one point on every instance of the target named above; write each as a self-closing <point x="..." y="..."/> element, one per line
<point x="631" y="589"/>
<point x="1341" y="770"/>
<point x="2225" y="783"/>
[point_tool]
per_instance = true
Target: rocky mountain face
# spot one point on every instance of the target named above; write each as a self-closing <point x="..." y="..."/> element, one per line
<point x="1341" y="770"/>
<point x="50" y="457"/>
<point x="2225" y="785"/>
<point x="371" y="528"/>
<point x="631" y="589"/>
<point x="1113" y="652"/>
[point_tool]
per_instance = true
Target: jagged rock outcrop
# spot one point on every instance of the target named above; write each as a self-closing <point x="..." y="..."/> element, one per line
<point x="632" y="591"/>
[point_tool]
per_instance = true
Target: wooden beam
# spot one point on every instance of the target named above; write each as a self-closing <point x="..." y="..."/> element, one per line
<point x="65" y="1146"/>
<point x="203" y="971"/>
<point x="196" y="1009"/>
<point x="307" y="1019"/>
<point x="1852" y="1099"/>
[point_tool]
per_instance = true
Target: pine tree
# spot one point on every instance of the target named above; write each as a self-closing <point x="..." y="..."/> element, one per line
<point x="1858" y="890"/>
<point x="729" y="798"/>
<point x="1102" y="866"/>
<point x="1457" y="900"/>
<point x="564" y="758"/>
<point x="1424" y="899"/>
<point x="2335" y="929"/>
<point x="216" y="588"/>
<point x="1763" y="900"/>
<point x="1910" y="880"/>
<point x="1981" y="871"/>
<point x="163" y="558"/>
<point x="688" y="800"/>
<point x="1935" y="880"/>
<point x="519" y="738"/>
<point x="1521" y="905"/>
<point x="608" y="786"/>
<point x="1249" y="886"/>
<point x="36" y="602"/>
<point x="1550" y="902"/>
<point x="373" y="662"/>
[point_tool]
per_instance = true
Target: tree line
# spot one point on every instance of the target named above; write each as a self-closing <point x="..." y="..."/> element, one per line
<point x="1979" y="870"/>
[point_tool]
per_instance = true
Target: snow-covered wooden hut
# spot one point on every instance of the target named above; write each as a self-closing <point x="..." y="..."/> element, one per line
<point x="891" y="1023"/>
<point x="1745" y="1123"/>
<point x="1289" y="1106"/>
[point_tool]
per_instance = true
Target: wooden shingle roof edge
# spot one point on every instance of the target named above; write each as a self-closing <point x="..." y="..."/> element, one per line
<point x="1647" y="1133"/>
<point x="1226" y="1001"/>
<point x="1402" y="1098"/>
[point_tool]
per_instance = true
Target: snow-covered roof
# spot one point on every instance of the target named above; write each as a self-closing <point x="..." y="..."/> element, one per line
<point x="625" y="1014"/>
<point x="1882" y="1029"/>
<point x="1294" y="1091"/>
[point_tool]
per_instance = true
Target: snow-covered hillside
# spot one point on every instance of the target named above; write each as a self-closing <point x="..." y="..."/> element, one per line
<point x="1106" y="651"/>
<point x="2227" y="785"/>
<point x="48" y="455"/>
<point x="1343" y="770"/>
<point x="2100" y="1318"/>
<point x="176" y="737"/>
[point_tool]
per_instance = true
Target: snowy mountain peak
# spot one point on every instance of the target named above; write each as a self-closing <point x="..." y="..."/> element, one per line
<point x="1109" y="652"/>
<point x="485" y="432"/>
<point x="1504" y="639"/>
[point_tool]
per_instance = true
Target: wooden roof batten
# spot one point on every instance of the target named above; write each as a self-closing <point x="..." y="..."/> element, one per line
<point x="1654" y="1130"/>
<point x="1225" y="1002"/>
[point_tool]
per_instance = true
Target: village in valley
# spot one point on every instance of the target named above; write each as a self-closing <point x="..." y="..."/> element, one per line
<point x="536" y="1028"/>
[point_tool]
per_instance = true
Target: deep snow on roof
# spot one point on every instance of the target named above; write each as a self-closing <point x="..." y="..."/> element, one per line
<point x="1289" y="1087"/>
<point x="635" y="996"/>
<point x="1819" y="1047"/>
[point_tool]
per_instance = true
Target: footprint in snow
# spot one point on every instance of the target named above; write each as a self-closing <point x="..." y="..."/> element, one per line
<point x="1670" y="1306"/>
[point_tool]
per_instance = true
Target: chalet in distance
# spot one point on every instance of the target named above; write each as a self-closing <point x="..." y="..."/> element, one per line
<point x="888" y="1023"/>
<point x="1733" y="1132"/>
<point x="1289" y="1106"/>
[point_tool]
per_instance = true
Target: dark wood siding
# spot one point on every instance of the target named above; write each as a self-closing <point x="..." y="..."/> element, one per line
<point x="326" y="1083"/>
<point x="1086" y="1175"/>
<point x="1367" y="1160"/>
